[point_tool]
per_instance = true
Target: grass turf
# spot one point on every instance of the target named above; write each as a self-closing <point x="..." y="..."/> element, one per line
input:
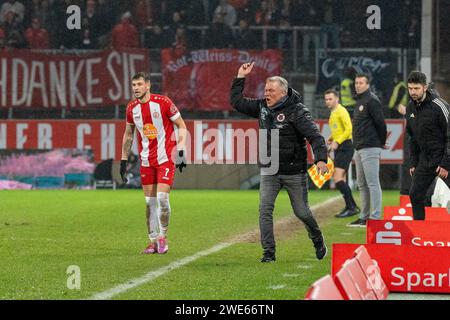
<point x="43" y="232"/>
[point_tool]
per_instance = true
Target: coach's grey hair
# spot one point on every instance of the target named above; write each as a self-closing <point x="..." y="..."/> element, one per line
<point x="282" y="81"/>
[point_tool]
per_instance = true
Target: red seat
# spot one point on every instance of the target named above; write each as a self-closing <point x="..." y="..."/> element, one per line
<point x="324" y="289"/>
<point x="353" y="283"/>
<point x="372" y="272"/>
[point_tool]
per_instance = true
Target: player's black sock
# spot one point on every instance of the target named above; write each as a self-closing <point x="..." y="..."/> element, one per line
<point x="347" y="194"/>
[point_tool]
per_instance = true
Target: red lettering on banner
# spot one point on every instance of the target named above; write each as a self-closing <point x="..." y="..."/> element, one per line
<point x="61" y="80"/>
<point x="412" y="233"/>
<point x="404" y="268"/>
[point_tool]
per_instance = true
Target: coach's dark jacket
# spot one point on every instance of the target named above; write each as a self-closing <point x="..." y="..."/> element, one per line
<point x="369" y="127"/>
<point x="428" y="132"/>
<point x="295" y="125"/>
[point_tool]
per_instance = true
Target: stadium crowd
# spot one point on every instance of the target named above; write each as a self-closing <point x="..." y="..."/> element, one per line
<point x="41" y="24"/>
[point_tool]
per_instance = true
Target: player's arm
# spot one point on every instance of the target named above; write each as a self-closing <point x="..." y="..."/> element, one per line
<point x="127" y="140"/>
<point x="127" y="143"/>
<point x="182" y="131"/>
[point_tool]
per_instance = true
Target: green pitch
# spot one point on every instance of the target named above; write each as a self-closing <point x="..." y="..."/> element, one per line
<point x="102" y="233"/>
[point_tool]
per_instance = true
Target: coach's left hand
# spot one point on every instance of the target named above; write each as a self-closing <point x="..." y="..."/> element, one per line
<point x="181" y="160"/>
<point x="442" y="173"/>
<point x="322" y="167"/>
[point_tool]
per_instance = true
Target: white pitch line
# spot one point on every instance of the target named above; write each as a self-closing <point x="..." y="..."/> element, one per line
<point x="108" y="294"/>
<point x="277" y="287"/>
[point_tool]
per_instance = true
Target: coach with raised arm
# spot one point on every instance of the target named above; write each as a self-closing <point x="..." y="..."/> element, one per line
<point x="427" y="126"/>
<point x="282" y="112"/>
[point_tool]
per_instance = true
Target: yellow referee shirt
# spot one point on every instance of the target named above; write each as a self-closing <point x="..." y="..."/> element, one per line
<point x="340" y="124"/>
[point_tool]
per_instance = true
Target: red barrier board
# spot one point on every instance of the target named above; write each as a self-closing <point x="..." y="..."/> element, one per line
<point x="405" y="201"/>
<point x="410" y="233"/>
<point x="404" y="268"/>
<point x="406" y="214"/>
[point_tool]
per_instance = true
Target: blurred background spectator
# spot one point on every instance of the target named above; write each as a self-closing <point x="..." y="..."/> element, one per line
<point x="220" y="34"/>
<point x="36" y="36"/>
<point x="15" y="6"/>
<point x="125" y="34"/>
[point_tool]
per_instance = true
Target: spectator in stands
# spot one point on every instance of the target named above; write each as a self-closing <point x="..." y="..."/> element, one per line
<point x="414" y="33"/>
<point x="196" y="13"/>
<point x="305" y="14"/>
<point x="180" y="43"/>
<point x="285" y="11"/>
<point x="329" y="29"/>
<point x="87" y="42"/>
<point x="284" y="35"/>
<point x="2" y="39"/>
<point x="125" y="34"/>
<point x="40" y="9"/>
<point x="245" y="37"/>
<point x="143" y="13"/>
<point x="91" y="25"/>
<point x="227" y="11"/>
<point x="265" y="14"/>
<point x="14" y="30"/>
<point x="220" y="35"/>
<point x="107" y="13"/>
<point x="15" y="6"/>
<point x="156" y="38"/>
<point x="174" y="24"/>
<point x="36" y="36"/>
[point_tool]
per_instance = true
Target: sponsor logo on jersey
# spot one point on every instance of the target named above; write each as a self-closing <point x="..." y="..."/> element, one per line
<point x="150" y="131"/>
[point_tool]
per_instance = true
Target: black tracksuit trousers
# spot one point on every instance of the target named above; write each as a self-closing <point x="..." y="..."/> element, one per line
<point x="422" y="178"/>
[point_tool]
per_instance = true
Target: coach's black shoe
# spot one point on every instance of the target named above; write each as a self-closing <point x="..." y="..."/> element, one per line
<point x="348" y="213"/>
<point x="341" y="213"/>
<point x="321" y="248"/>
<point x="267" y="258"/>
<point x="360" y="223"/>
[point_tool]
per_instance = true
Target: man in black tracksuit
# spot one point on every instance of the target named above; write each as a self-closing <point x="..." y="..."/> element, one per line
<point x="428" y="130"/>
<point x="282" y="112"/>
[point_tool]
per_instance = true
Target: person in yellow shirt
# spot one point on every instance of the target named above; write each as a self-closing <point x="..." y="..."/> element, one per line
<point x="340" y="142"/>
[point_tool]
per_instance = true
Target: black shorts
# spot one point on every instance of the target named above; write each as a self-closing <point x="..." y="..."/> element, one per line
<point x="343" y="155"/>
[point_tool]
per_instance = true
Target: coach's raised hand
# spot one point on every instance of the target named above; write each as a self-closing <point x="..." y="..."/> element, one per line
<point x="245" y="69"/>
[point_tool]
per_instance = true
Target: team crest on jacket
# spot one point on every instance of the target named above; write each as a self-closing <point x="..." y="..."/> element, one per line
<point x="281" y="117"/>
<point x="155" y="115"/>
<point x="361" y="108"/>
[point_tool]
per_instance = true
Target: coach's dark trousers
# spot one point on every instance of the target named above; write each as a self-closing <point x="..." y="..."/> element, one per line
<point x="422" y="178"/>
<point x="297" y="188"/>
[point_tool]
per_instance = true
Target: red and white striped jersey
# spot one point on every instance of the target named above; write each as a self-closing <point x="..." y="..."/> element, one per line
<point x="155" y="129"/>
